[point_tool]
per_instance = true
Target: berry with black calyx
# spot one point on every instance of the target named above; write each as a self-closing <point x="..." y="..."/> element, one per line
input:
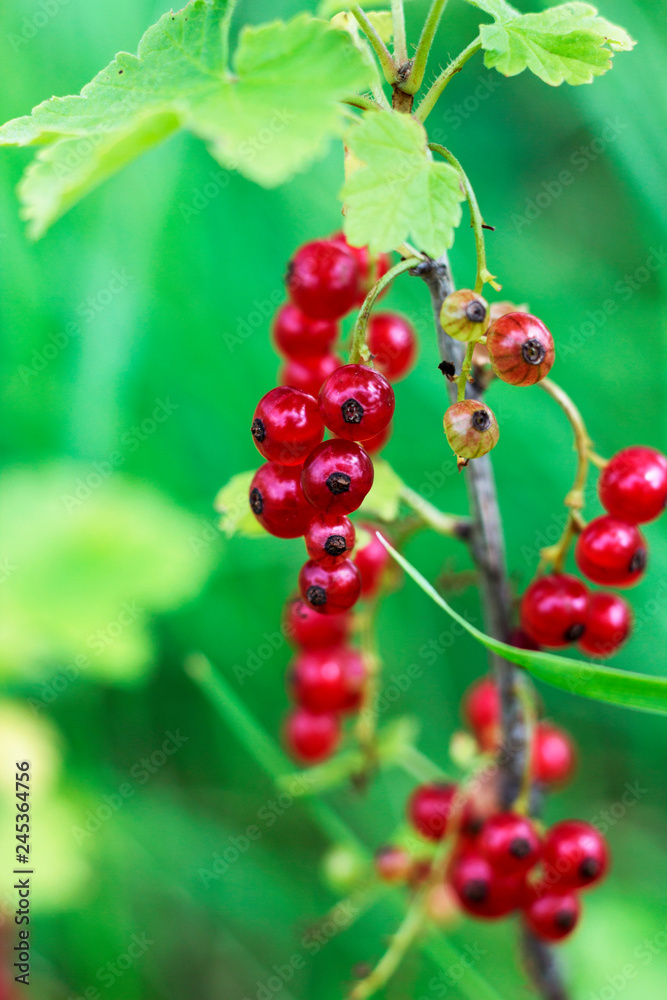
<point x="330" y="589"/>
<point x="277" y="500"/>
<point x="574" y="855"/>
<point x="323" y="279"/>
<point x="554" y="609"/>
<point x="287" y="425"/>
<point x="336" y="476"/>
<point x="356" y="402"/>
<point x="520" y="348"/>
<point x="329" y="537"/>
<point x="510" y="843"/>
<point x="464" y="315"/>
<point x="611" y="552"/>
<point x="609" y="624"/>
<point x="471" y="429"/>
<point x="552" y="916"/>
<point x="481" y="890"/>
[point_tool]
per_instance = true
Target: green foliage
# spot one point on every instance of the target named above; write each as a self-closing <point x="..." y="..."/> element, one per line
<point x="399" y="192"/>
<point x="569" y="43"/>
<point x="272" y="117"/>
<point x="232" y="504"/>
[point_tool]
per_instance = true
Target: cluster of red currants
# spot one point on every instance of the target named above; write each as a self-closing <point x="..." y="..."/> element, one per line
<point x="558" y="609"/>
<point x="502" y="862"/>
<point x="308" y="486"/>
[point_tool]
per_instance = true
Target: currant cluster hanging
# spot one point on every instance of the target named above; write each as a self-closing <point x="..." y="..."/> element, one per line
<point x="308" y="486"/>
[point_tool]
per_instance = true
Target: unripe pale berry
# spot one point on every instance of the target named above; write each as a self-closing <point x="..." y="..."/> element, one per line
<point x="323" y="279"/>
<point x="330" y="589"/>
<point x="464" y="315"/>
<point x="520" y="348"/>
<point x="287" y="425"/>
<point x="336" y="476"/>
<point x="356" y="402"/>
<point x="609" y="624"/>
<point x="611" y="552"/>
<point x="633" y="485"/>
<point x="277" y="500"/>
<point x="471" y="429"/>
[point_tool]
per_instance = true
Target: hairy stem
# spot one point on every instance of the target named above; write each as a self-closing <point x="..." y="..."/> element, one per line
<point x="431" y="96"/>
<point x="381" y="51"/>
<point x="416" y="76"/>
<point x="398" y="25"/>
<point x="359" y="333"/>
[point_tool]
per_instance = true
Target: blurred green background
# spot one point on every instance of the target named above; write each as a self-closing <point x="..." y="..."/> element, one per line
<point x="134" y="347"/>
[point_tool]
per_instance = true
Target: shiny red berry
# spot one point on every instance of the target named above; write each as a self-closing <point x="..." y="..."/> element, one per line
<point x="554" y="609"/>
<point x="371" y="559"/>
<point x="482" y="891"/>
<point x="429" y="809"/>
<point x="336" y="476"/>
<point x="393" y="864"/>
<point x="311" y="630"/>
<point x="376" y="444"/>
<point x="323" y="279"/>
<point x="609" y="624"/>
<point x="510" y="843"/>
<point x="328" y="680"/>
<point x="633" y="485"/>
<point x="521" y="640"/>
<point x="481" y="710"/>
<point x="298" y="336"/>
<point x="552" y="916"/>
<point x="308" y="374"/>
<point x="311" y="736"/>
<point x="277" y="500"/>
<point x="392" y="342"/>
<point x="287" y="425"/>
<point x="553" y="757"/>
<point x="330" y="589"/>
<point x="611" y="552"/>
<point x="329" y="537"/>
<point x="520" y="348"/>
<point x="574" y="855"/>
<point x="356" y="402"/>
<point x="371" y="268"/>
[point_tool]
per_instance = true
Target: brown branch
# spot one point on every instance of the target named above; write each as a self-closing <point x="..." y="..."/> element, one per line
<point x="488" y="550"/>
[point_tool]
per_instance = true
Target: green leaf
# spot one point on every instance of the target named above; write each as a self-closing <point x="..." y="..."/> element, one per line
<point x="399" y="192"/>
<point x="385" y="495"/>
<point x="569" y="43"/>
<point x="232" y="503"/>
<point x="591" y="680"/>
<point x="268" y="121"/>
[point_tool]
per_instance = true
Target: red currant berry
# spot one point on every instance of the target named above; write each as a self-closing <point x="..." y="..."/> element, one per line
<point x="609" y="624"/>
<point x="481" y="710"/>
<point x="429" y="809"/>
<point x="278" y="502"/>
<point x="308" y="374"/>
<point x="330" y="589"/>
<point x="392" y="342"/>
<point x="329" y="536"/>
<point x="328" y="680"/>
<point x="553" y="757"/>
<point x="371" y="269"/>
<point x="371" y="560"/>
<point x="375" y="444"/>
<point x="509" y="843"/>
<point x="611" y="552"/>
<point x="392" y="864"/>
<point x="554" y="609"/>
<point x="471" y="429"/>
<point x="521" y="640"/>
<point x="336" y="476"/>
<point x="574" y="855"/>
<point x="552" y="916"/>
<point x="481" y="890"/>
<point x="323" y="279"/>
<point x="298" y="336"/>
<point x="356" y="402"/>
<point x="633" y="485"/>
<point x="520" y="348"/>
<point x="311" y="736"/>
<point x="311" y="630"/>
<point x="287" y="425"/>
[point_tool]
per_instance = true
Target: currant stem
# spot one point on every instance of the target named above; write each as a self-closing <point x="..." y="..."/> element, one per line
<point x="412" y="923"/>
<point x="476" y="218"/>
<point x="358" y="352"/>
<point x="381" y="51"/>
<point x="462" y="380"/>
<point x="431" y="96"/>
<point x="416" y="76"/>
<point x="451" y="525"/>
<point x="398" y="24"/>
